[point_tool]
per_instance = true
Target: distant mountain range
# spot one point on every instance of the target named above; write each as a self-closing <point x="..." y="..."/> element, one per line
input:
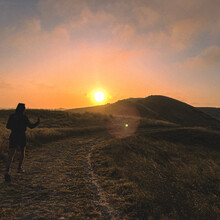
<point x="160" y="108"/>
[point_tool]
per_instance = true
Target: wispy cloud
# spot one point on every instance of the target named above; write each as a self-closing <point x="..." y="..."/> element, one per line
<point x="5" y="85"/>
<point x="80" y="43"/>
<point x="208" y="57"/>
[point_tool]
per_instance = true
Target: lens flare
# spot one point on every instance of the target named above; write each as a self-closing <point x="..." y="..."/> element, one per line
<point x="124" y="122"/>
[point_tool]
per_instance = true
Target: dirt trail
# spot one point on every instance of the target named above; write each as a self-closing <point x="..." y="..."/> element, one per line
<point x="100" y="200"/>
<point x="59" y="183"/>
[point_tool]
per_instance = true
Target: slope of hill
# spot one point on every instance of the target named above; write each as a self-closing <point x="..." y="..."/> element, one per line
<point x="76" y="170"/>
<point x="157" y="107"/>
<point x="214" y="112"/>
<point x="162" y="174"/>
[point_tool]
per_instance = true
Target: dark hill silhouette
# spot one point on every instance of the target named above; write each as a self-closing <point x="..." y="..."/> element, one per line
<point x="214" y="112"/>
<point x="157" y="107"/>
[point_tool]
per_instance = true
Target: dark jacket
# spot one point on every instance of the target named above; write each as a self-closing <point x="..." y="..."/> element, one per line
<point x="18" y="123"/>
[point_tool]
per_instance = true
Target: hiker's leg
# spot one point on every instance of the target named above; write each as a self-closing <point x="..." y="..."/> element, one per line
<point x="21" y="159"/>
<point x="11" y="154"/>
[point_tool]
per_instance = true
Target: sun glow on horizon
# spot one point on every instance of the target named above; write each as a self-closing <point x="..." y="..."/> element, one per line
<point x="99" y="96"/>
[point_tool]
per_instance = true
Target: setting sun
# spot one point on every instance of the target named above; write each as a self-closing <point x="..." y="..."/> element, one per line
<point x="99" y="96"/>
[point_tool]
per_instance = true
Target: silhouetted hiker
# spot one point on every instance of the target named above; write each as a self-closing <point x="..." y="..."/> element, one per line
<point x="17" y="123"/>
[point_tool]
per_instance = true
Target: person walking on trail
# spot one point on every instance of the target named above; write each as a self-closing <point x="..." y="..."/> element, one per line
<point x="17" y="123"/>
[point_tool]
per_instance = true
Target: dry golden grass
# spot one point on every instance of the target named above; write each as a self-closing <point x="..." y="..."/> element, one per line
<point x="54" y="125"/>
<point x="57" y="125"/>
<point x="163" y="171"/>
<point x="54" y="186"/>
<point x="147" y="177"/>
<point x="3" y="141"/>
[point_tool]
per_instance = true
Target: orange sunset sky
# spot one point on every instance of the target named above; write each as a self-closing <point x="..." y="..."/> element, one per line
<point x="57" y="53"/>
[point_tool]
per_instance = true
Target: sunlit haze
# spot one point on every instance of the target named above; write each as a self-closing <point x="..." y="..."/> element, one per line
<point x="56" y="53"/>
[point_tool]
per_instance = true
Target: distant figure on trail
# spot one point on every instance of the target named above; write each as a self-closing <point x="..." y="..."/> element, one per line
<point x="17" y="123"/>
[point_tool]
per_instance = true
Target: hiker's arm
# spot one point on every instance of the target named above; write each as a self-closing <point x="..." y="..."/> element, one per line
<point x="30" y="125"/>
<point x="10" y="123"/>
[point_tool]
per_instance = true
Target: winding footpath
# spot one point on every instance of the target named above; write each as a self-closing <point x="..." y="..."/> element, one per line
<point x="59" y="183"/>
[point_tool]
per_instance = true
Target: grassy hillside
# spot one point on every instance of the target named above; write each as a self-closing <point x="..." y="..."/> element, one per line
<point x="159" y="108"/>
<point x="60" y="124"/>
<point x="170" y="174"/>
<point x="214" y="112"/>
<point x="149" y="162"/>
<point x="54" y="125"/>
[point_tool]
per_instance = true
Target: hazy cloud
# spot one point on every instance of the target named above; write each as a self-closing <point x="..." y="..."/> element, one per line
<point x="105" y="41"/>
<point x="208" y="57"/>
<point x="5" y="85"/>
<point x="30" y="35"/>
<point x="145" y="16"/>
